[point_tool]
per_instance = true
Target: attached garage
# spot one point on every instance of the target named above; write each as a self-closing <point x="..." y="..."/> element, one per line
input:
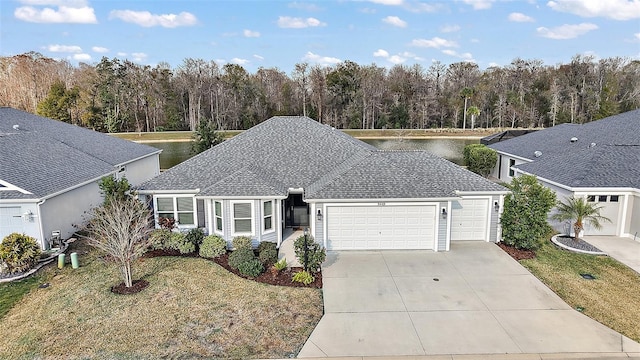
<point x="381" y="227"/>
<point x="469" y="219"/>
<point x="10" y="220"/>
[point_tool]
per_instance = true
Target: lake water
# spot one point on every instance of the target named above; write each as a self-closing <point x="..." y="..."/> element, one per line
<point x="449" y="148"/>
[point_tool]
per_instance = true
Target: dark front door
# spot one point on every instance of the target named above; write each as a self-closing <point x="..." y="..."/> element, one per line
<point x="296" y="211"/>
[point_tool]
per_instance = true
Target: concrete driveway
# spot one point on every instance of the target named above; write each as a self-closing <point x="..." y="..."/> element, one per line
<point x="625" y="250"/>
<point x="474" y="299"/>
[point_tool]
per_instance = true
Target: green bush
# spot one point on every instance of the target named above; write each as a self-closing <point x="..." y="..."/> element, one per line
<point x="524" y="219"/>
<point x="19" y="252"/>
<point x="242" y="242"/>
<point x="158" y="238"/>
<point x="213" y="246"/>
<point x="164" y="239"/>
<point x="315" y="253"/>
<point x="479" y="158"/>
<point x="267" y="253"/>
<point x="281" y="264"/>
<point x="303" y="277"/>
<point x="251" y="268"/>
<point x="195" y="236"/>
<point x="240" y="256"/>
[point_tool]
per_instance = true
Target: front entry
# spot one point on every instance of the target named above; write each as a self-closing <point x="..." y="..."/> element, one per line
<point x="296" y="211"/>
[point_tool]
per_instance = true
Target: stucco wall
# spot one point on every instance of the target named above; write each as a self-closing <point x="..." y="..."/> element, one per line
<point x="142" y="170"/>
<point x="501" y="170"/>
<point x="634" y="216"/>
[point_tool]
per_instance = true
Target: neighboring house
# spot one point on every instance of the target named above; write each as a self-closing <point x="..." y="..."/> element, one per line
<point x="293" y="172"/>
<point x="49" y="172"/>
<point x="599" y="160"/>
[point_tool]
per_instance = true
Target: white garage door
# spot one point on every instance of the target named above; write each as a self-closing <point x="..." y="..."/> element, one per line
<point x="10" y="221"/>
<point x="469" y="219"/>
<point x="380" y="227"/>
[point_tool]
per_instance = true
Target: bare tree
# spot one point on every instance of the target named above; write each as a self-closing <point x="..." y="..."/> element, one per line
<point x="120" y="228"/>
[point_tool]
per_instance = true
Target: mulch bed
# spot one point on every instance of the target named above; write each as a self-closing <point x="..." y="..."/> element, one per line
<point x="136" y="287"/>
<point x="518" y="254"/>
<point x="281" y="278"/>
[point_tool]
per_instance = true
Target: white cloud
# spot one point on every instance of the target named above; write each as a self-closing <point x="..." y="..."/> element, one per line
<point x="637" y="35"/>
<point x="395" y="21"/>
<point x="122" y="54"/>
<point x="321" y="60"/>
<point x="381" y="53"/>
<point x="304" y="6"/>
<point x="520" y="17"/>
<point x="81" y="57"/>
<point x="64" y="48"/>
<point x="147" y="19"/>
<point x="139" y="56"/>
<point x="479" y="4"/>
<point x="298" y="23"/>
<point x="388" y="2"/>
<point x="397" y="59"/>
<point x="612" y="9"/>
<point x="435" y="42"/>
<point x="258" y="57"/>
<point x="465" y="56"/>
<point x="100" y="49"/>
<point x="449" y="28"/>
<point x="566" y="31"/>
<point x="56" y="11"/>
<point x="494" y="64"/>
<point x="249" y="33"/>
<point x="239" y="61"/>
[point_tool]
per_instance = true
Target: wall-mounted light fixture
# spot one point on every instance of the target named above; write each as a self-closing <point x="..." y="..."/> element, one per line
<point x="496" y="206"/>
<point x="27" y="216"/>
<point x="444" y="213"/>
<point x="319" y="215"/>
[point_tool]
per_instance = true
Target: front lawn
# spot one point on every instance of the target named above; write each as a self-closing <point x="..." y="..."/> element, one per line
<point x="192" y="308"/>
<point x="613" y="298"/>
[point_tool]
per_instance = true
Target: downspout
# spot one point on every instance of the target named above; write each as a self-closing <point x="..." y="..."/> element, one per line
<point x="40" y="222"/>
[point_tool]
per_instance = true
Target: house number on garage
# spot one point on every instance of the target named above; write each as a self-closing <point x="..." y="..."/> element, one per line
<point x="381" y="204"/>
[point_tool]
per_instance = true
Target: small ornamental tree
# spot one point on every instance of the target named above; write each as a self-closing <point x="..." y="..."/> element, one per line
<point x="18" y="253"/>
<point x="524" y="219"/>
<point x="112" y="188"/>
<point x="479" y="158"/>
<point x="205" y="137"/>
<point x="579" y="211"/>
<point x="121" y="228"/>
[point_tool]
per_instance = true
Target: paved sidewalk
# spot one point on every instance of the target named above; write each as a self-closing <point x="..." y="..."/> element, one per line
<point x="625" y="250"/>
<point x="474" y="299"/>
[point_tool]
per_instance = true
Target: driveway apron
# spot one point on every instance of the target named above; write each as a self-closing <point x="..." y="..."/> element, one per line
<point x="474" y="299"/>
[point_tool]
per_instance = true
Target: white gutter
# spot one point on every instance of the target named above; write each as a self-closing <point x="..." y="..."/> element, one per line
<point x="582" y="189"/>
<point x="513" y="156"/>
<point x="167" y="192"/>
<point x="240" y="197"/>
<point x="481" y="193"/>
<point x="40" y="221"/>
<point x="392" y="200"/>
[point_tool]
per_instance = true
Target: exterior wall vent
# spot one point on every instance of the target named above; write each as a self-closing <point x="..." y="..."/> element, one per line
<point x="592" y="145"/>
<point x="574" y="139"/>
<point x="537" y="153"/>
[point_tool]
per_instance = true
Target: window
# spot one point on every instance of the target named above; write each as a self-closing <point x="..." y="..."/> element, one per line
<point x="217" y="211"/>
<point x="591" y="198"/>
<point x="512" y="162"/>
<point x="613" y="198"/>
<point x="267" y="216"/>
<point x="242" y="218"/>
<point x="602" y="198"/>
<point x="178" y="208"/>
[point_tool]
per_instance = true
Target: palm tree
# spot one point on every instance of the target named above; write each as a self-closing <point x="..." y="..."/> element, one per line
<point x="473" y="111"/>
<point x="580" y="211"/>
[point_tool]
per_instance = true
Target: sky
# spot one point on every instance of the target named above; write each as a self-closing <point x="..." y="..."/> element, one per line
<point x="281" y="33"/>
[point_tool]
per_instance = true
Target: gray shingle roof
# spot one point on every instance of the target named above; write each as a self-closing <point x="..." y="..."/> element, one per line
<point x="45" y="156"/>
<point x="297" y="152"/>
<point x="606" y="153"/>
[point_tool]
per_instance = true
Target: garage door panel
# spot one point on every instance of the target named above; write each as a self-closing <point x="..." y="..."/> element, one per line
<point x="469" y="219"/>
<point x="387" y="227"/>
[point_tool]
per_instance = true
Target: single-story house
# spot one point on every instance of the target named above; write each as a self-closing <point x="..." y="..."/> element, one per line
<point x="599" y="161"/>
<point x="49" y="173"/>
<point x="293" y="172"/>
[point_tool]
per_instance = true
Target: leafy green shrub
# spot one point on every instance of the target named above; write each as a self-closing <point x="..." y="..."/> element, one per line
<point x="242" y="242"/>
<point x="524" y="219"/>
<point x="315" y="253"/>
<point x="479" y="158"/>
<point x="240" y="256"/>
<point x="159" y="237"/>
<point x="19" y="252"/>
<point x="251" y="268"/>
<point x="303" y="277"/>
<point x="195" y="236"/>
<point x="164" y="239"/>
<point x="213" y="246"/>
<point x="281" y="264"/>
<point x="267" y="253"/>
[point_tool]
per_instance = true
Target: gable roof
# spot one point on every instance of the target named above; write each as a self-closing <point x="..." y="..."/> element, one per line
<point x="605" y="154"/>
<point x="288" y="152"/>
<point x="45" y="156"/>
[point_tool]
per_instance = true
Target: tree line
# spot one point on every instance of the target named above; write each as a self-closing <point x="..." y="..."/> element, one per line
<point x="117" y="95"/>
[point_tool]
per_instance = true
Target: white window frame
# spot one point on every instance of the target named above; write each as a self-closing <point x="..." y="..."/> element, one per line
<point x="233" y="218"/>
<point x="272" y="216"/>
<point x="175" y="210"/>
<point x="216" y="216"/>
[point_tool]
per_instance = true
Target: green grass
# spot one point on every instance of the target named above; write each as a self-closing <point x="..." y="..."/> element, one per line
<point x="11" y="293"/>
<point x="612" y="299"/>
<point x="167" y="135"/>
<point x="193" y="308"/>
